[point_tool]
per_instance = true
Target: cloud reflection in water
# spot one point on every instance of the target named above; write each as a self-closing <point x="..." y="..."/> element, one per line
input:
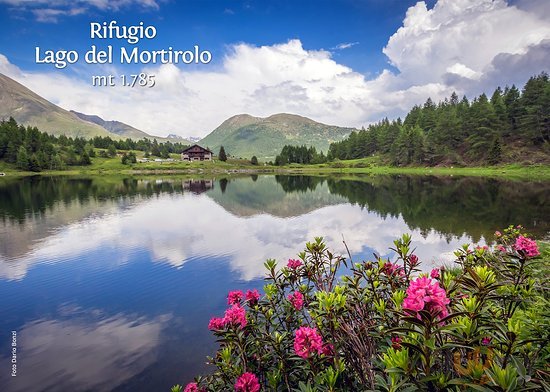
<point x="83" y="352"/>
<point x="177" y="228"/>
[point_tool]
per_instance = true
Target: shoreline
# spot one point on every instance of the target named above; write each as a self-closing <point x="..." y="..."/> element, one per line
<point x="534" y="172"/>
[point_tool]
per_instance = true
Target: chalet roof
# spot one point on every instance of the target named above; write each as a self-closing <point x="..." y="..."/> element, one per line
<point x="196" y="145"/>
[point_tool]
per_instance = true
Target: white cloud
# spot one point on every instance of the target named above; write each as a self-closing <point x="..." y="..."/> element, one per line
<point x="469" y="33"/>
<point x="345" y="45"/>
<point x="459" y="45"/>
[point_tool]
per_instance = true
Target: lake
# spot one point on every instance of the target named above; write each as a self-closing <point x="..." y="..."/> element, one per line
<point x="109" y="282"/>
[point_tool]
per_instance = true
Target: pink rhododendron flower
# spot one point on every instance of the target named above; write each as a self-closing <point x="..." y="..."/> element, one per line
<point x="425" y="294"/>
<point x="486" y="341"/>
<point x="247" y="382"/>
<point x="216" y="323"/>
<point x="192" y="387"/>
<point x="252" y="296"/>
<point x="307" y="341"/>
<point x="498" y="234"/>
<point x="234" y="297"/>
<point x="435" y="273"/>
<point x="413" y="259"/>
<point x="297" y="300"/>
<point x="501" y="248"/>
<point x="294" y="264"/>
<point x="235" y="315"/>
<point x="526" y="245"/>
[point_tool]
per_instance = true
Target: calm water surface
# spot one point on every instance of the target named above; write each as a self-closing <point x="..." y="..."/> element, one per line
<point x="109" y="283"/>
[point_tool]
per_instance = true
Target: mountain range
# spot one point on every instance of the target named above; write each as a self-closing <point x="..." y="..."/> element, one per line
<point x="28" y="108"/>
<point x="126" y="131"/>
<point x="241" y="136"/>
<point x="244" y="135"/>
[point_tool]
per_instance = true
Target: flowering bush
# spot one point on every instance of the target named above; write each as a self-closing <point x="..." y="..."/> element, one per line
<point x="325" y="323"/>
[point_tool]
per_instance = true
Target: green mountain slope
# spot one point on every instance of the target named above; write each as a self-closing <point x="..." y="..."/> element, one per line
<point x="28" y="108"/>
<point x="244" y="135"/>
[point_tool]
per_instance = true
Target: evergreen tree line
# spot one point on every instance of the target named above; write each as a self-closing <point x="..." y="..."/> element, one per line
<point x="457" y="131"/>
<point x="32" y="150"/>
<point x="299" y="154"/>
<point x="151" y="148"/>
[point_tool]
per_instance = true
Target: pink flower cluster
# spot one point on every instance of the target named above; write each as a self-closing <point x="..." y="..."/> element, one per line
<point x="247" y="382"/>
<point x="413" y="259"/>
<point x="308" y="341"/>
<point x="293" y="264"/>
<point x="192" y="387"/>
<point x="435" y="273"/>
<point x="234" y="297"/>
<point x="425" y="294"/>
<point x="252" y="296"/>
<point x="216" y="323"/>
<point x="235" y="315"/>
<point x="526" y="245"/>
<point x="297" y="300"/>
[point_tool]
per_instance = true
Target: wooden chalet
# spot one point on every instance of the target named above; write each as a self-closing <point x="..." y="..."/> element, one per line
<point x="196" y="153"/>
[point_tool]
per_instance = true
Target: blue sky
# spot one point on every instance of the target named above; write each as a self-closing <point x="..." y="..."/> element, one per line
<point x="213" y="25"/>
<point x="348" y="62"/>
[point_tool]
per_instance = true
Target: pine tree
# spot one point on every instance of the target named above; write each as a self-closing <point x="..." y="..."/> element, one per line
<point x="221" y="155"/>
<point x="495" y="153"/>
<point x="22" y="161"/>
<point x="111" y="150"/>
<point x="85" y="159"/>
<point x="34" y="165"/>
<point x="254" y="160"/>
<point x="501" y="124"/>
<point x="155" y="150"/>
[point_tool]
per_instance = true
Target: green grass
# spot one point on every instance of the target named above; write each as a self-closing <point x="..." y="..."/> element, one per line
<point x="371" y="166"/>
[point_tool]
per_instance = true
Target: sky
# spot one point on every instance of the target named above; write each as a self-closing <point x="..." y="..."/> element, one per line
<point x="340" y="62"/>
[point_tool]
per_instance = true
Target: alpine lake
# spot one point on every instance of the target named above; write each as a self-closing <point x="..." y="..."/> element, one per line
<point x="108" y="283"/>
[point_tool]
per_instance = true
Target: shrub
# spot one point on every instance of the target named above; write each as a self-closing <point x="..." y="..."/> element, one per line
<point x="326" y="324"/>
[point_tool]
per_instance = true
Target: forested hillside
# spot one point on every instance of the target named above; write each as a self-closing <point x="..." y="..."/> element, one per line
<point x="33" y="150"/>
<point x="510" y="126"/>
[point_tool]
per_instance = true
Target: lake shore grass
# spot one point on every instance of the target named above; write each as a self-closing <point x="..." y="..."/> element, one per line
<point x="368" y="166"/>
